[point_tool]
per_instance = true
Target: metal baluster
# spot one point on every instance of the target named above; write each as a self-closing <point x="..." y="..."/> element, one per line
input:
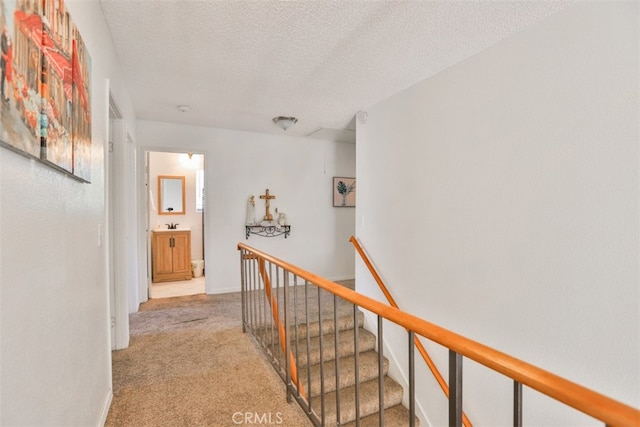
<point x="295" y="324"/>
<point x="260" y="287"/>
<point x="273" y="304"/>
<point x="380" y="374"/>
<point x="337" y="357"/>
<point x="250" y="293"/>
<point x="260" y="313"/>
<point x="266" y="310"/>
<point x="255" y="281"/>
<point x="275" y="345"/>
<point x="412" y="381"/>
<point x="276" y="309"/>
<point x="306" y="314"/>
<point x="455" y="389"/>
<point x="254" y="284"/>
<point x="268" y="313"/>
<point x="517" y="404"/>
<point x="243" y="285"/>
<point x="247" y="297"/>
<point x="356" y="347"/>
<point x="285" y="305"/>
<point x="322" y="406"/>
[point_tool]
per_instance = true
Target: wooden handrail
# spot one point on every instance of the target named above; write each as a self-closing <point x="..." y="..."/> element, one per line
<point x="416" y="341"/>
<point x="283" y="336"/>
<point x="594" y="404"/>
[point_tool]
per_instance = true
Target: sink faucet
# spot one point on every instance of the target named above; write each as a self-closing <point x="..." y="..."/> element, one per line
<point x="172" y="226"/>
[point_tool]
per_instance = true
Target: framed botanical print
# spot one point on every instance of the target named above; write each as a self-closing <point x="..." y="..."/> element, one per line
<point x="344" y="192"/>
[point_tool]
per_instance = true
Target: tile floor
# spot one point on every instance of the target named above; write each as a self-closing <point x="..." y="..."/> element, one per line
<point x="178" y="289"/>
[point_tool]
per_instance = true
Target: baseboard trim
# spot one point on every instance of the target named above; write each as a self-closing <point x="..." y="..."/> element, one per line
<point x="222" y="291"/>
<point x="395" y="370"/>
<point x="105" y="409"/>
<point x="338" y="278"/>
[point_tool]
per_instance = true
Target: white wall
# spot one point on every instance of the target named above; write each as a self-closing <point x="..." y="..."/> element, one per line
<point x="178" y="164"/>
<point x="54" y="309"/>
<point x="298" y="171"/>
<point x="510" y="210"/>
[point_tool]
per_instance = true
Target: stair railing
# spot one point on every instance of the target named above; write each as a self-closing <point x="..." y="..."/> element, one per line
<point x="281" y="329"/>
<point x="281" y="316"/>
<point x="254" y="314"/>
<point x="416" y="341"/>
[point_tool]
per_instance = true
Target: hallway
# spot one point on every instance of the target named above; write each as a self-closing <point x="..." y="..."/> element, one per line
<point x="189" y="363"/>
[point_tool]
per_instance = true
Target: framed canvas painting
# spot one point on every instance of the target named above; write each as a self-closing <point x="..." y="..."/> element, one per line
<point x="81" y="95"/>
<point x="20" y="83"/>
<point x="45" y="102"/>
<point x="344" y="192"/>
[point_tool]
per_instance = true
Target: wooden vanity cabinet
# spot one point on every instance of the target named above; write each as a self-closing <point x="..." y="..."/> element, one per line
<point x="171" y="255"/>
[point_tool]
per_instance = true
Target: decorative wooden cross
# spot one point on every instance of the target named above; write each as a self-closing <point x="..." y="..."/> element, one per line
<point x="267" y="197"/>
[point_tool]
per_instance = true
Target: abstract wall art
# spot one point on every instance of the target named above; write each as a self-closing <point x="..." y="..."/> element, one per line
<point x="45" y="86"/>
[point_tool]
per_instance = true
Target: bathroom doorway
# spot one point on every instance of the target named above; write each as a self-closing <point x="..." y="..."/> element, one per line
<point x="175" y="216"/>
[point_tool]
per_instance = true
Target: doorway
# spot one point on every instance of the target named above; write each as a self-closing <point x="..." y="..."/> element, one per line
<point x="167" y="276"/>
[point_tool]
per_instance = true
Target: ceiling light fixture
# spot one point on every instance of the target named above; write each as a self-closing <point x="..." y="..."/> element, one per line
<point x="184" y="108"/>
<point x="284" y="122"/>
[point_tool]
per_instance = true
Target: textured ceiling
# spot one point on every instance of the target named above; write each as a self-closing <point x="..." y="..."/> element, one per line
<point x="238" y="64"/>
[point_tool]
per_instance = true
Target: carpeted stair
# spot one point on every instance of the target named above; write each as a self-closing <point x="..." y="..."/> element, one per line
<point x="395" y="414"/>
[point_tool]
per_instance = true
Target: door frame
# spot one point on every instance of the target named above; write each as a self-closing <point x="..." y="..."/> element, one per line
<point x="119" y="148"/>
<point x="145" y="208"/>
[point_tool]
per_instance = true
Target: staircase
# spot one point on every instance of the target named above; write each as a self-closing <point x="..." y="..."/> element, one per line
<point x="316" y="342"/>
<point x="314" y="365"/>
<point x="276" y="295"/>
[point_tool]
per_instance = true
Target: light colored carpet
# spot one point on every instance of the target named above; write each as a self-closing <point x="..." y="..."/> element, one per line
<point x="189" y="364"/>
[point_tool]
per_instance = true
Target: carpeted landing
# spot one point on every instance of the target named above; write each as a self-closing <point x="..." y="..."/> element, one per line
<point x="189" y="364"/>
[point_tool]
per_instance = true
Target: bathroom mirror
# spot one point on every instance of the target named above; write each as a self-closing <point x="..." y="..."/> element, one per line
<point x="171" y="195"/>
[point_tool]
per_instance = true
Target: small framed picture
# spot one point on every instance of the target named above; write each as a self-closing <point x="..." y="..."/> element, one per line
<point x="344" y="192"/>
